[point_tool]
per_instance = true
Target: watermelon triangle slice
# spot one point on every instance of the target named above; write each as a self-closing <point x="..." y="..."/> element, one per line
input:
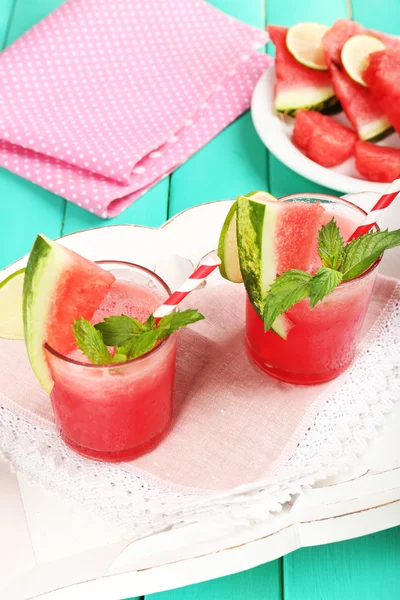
<point x="383" y="79"/>
<point x="298" y="87"/>
<point x="59" y="286"/>
<point x="358" y="103"/>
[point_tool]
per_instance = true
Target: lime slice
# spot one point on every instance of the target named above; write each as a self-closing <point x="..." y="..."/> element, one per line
<point x="11" y="323"/>
<point x="304" y="42"/>
<point x="355" y="53"/>
<point x="227" y="245"/>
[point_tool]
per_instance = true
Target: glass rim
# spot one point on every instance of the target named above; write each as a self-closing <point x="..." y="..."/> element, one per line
<point x="132" y="360"/>
<point x="345" y="202"/>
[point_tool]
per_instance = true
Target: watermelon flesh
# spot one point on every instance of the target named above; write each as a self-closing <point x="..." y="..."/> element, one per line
<point x="81" y="287"/>
<point x="296" y="234"/>
<point x="357" y="101"/>
<point x="298" y="86"/>
<point x="377" y="163"/>
<point x="59" y="286"/>
<point x="383" y="79"/>
<point x="324" y="140"/>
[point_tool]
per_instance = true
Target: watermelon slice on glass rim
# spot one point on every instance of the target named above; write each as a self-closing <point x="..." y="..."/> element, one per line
<point x="59" y="286"/>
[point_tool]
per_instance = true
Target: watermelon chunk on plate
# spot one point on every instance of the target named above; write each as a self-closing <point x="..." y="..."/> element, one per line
<point x="324" y="140"/>
<point x="297" y="86"/>
<point x="357" y="101"/>
<point x="59" y="286"/>
<point x="383" y="79"/>
<point x="377" y="163"/>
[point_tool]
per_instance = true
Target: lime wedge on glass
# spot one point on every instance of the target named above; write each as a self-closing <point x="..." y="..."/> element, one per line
<point x="355" y="53"/>
<point x="11" y="323"/>
<point x="227" y="245"/>
<point x="304" y="42"/>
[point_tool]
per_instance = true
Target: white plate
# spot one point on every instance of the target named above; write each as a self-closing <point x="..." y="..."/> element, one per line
<point x="276" y="134"/>
<point x="51" y="550"/>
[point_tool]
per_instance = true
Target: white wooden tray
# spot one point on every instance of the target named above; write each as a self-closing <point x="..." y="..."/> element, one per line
<point x="54" y="551"/>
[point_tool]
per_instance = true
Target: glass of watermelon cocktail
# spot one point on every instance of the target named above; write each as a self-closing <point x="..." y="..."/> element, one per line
<point x="120" y="411"/>
<point x="321" y="342"/>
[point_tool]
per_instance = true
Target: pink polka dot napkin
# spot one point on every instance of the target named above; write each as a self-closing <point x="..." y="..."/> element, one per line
<point x="102" y="99"/>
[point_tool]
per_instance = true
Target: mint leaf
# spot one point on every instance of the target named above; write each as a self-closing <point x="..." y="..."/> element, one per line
<point x="150" y="323"/>
<point x="90" y="342"/>
<point x="139" y="345"/>
<point x="362" y="252"/>
<point x="171" y="323"/>
<point x="119" y="330"/>
<point x="323" y="282"/>
<point x="330" y="245"/>
<point x="288" y="289"/>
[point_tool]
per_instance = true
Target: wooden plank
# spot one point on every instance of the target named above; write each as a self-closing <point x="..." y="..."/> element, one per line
<point x="25" y="209"/>
<point x="236" y="160"/>
<point x="365" y="568"/>
<point x="261" y="583"/>
<point x="376" y="14"/>
<point x="284" y="181"/>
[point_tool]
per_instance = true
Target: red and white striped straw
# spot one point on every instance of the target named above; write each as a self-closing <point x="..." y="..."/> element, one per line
<point x="378" y="213"/>
<point x="206" y="266"/>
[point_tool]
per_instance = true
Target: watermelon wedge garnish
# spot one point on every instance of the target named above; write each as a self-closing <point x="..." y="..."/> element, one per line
<point x="272" y="238"/>
<point x="297" y="86"/>
<point x="357" y="101"/>
<point x="59" y="286"/>
<point x="377" y="163"/>
<point x="323" y="139"/>
<point x="383" y="80"/>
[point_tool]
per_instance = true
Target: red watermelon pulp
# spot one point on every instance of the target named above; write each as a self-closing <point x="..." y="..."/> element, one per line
<point x="383" y="79"/>
<point x="357" y="101"/>
<point x="297" y="86"/>
<point x="377" y="163"/>
<point x="59" y="286"/>
<point x="323" y="139"/>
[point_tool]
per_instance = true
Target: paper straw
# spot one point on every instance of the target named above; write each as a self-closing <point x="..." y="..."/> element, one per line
<point x="378" y="214"/>
<point x="206" y="266"/>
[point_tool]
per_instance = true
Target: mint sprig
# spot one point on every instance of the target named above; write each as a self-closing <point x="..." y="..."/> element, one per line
<point x="90" y="342"/>
<point x="330" y="245"/>
<point x="130" y="337"/>
<point x="340" y="262"/>
<point x="362" y="252"/>
<point x="286" y="291"/>
<point x="323" y="283"/>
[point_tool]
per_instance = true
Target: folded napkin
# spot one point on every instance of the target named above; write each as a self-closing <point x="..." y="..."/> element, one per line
<point x="233" y="425"/>
<point x="102" y="99"/>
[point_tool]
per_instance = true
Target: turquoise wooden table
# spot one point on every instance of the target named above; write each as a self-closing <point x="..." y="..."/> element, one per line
<point x="234" y="162"/>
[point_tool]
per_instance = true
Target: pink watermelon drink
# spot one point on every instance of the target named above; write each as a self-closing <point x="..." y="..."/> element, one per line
<point x="314" y="346"/>
<point x="120" y="411"/>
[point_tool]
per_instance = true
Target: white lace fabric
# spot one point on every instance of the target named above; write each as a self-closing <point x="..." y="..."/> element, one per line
<point x="346" y="421"/>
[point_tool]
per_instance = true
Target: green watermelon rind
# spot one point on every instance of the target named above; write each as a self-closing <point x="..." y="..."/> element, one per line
<point x="376" y="130"/>
<point x="320" y="100"/>
<point x="45" y="264"/>
<point x="227" y="244"/>
<point x="256" y="240"/>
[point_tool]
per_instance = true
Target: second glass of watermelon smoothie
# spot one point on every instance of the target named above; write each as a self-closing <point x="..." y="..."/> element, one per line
<point x="321" y="342"/>
<point x="121" y="411"/>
